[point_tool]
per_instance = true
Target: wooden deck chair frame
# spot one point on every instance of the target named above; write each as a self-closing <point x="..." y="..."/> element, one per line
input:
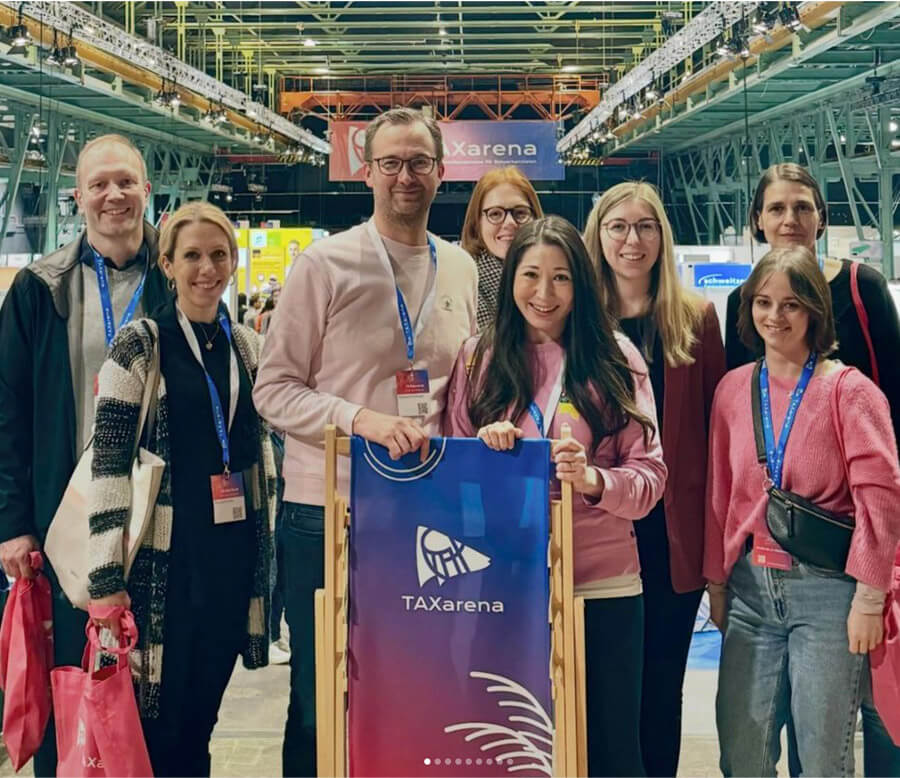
<point x="567" y="658"/>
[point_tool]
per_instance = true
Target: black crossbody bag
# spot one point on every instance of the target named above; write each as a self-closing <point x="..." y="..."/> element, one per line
<point x="803" y="529"/>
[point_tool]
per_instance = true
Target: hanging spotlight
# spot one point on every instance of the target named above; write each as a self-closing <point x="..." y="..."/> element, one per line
<point x="309" y="43"/>
<point x="70" y="56"/>
<point x="19" y="34"/>
<point x="55" y="56"/>
<point x="892" y="126"/>
<point x="790" y="16"/>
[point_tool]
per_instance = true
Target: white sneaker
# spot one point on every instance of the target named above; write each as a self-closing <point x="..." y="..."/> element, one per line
<point x="277" y="655"/>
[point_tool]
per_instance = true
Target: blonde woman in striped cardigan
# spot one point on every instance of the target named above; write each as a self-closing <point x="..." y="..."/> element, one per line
<point x="199" y="587"/>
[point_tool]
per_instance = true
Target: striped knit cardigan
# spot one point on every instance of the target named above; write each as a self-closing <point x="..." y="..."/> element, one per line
<point x="121" y="386"/>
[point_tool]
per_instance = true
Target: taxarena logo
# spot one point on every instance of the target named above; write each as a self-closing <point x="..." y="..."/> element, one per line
<point x="440" y="557"/>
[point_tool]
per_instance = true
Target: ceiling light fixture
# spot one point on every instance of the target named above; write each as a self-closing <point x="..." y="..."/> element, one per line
<point x="309" y="43"/>
<point x="790" y="17"/>
<point x="70" y="56"/>
<point x="892" y="126"/>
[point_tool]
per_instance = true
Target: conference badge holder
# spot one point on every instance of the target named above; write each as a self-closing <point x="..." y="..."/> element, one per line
<point x="413" y="396"/>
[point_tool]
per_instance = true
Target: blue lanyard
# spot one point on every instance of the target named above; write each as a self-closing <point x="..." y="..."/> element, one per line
<point x="222" y="426"/>
<point x="775" y="455"/>
<point x="552" y="402"/>
<point x="538" y="417"/>
<point x="405" y="322"/>
<point x="218" y="413"/>
<point x="109" y="324"/>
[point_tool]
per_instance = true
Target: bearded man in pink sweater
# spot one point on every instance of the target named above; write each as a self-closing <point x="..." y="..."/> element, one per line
<point x="367" y="331"/>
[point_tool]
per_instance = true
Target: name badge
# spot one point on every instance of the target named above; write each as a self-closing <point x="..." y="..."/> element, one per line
<point x="413" y="396"/>
<point x="228" y="498"/>
<point x="767" y="553"/>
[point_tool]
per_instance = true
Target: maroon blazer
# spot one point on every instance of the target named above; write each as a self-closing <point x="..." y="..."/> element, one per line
<point x="687" y="401"/>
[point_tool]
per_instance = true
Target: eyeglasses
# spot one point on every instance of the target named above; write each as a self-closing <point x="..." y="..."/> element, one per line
<point x="618" y="229"/>
<point x="497" y="215"/>
<point x="391" y="166"/>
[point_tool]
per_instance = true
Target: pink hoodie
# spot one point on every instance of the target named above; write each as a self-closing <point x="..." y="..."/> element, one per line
<point x="634" y="474"/>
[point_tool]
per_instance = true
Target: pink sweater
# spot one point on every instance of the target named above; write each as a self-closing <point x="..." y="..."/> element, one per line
<point x="840" y="409"/>
<point x="335" y="345"/>
<point x="634" y="475"/>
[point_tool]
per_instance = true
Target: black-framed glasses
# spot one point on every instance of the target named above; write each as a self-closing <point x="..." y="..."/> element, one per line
<point x="521" y="214"/>
<point x="420" y="166"/>
<point x="618" y="229"/>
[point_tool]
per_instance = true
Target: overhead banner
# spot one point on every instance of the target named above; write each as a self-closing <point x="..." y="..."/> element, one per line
<point x="471" y="148"/>
<point x="449" y="645"/>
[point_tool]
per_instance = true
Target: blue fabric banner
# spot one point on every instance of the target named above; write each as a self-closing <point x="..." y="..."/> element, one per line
<point x="449" y="656"/>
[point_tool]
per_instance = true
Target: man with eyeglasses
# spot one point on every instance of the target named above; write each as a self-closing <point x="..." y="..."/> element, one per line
<point x="369" y="326"/>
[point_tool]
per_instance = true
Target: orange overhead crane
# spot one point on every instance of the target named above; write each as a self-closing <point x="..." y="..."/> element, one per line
<point x="497" y="97"/>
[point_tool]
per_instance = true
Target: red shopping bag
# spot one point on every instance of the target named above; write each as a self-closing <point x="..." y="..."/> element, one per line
<point x="98" y="728"/>
<point x="26" y="656"/>
<point x="885" y="660"/>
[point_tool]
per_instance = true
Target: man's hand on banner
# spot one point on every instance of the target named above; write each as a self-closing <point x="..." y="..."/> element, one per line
<point x="572" y="465"/>
<point x="500" y="436"/>
<point x="397" y="434"/>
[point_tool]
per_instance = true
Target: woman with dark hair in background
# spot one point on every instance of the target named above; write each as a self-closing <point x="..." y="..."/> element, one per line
<point x="551" y="363"/>
<point x="630" y="241"/>
<point x="788" y="209"/>
<point x="502" y="201"/>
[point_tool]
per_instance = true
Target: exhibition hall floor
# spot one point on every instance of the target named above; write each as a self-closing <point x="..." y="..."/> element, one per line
<point x="247" y="740"/>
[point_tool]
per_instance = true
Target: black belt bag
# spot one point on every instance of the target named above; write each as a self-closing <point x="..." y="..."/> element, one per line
<point x="803" y="529"/>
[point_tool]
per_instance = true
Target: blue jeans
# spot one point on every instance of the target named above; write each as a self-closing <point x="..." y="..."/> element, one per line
<point x="303" y="546"/>
<point x="785" y="649"/>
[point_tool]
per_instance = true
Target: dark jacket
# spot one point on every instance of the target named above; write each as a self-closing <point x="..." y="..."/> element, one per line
<point x="884" y="329"/>
<point x="688" y="394"/>
<point x="38" y="450"/>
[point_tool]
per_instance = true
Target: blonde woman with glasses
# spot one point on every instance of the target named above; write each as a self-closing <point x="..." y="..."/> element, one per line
<point x="630" y="241"/>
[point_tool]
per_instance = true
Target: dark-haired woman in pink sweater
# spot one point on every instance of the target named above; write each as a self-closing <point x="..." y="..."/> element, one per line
<point x="797" y="636"/>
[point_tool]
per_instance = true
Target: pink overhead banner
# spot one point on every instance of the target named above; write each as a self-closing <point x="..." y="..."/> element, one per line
<point x="471" y="148"/>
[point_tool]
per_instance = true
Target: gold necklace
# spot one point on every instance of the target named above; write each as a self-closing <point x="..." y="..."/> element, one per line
<point x="209" y="340"/>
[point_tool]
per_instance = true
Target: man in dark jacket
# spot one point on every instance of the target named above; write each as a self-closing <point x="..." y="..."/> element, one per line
<point x="56" y="324"/>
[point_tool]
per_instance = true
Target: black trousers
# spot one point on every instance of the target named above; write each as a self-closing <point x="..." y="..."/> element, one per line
<point x="197" y="665"/>
<point x="613" y="632"/>
<point x="668" y="628"/>
<point x="303" y="546"/>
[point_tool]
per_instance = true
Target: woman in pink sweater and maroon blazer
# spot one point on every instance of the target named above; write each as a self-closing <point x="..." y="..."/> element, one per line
<point x="797" y="636"/>
<point x="551" y="360"/>
<point x="630" y="241"/>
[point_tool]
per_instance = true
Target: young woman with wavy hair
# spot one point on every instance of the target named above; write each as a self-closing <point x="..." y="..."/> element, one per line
<point x="788" y="209"/>
<point x="551" y="363"/>
<point x="630" y="240"/>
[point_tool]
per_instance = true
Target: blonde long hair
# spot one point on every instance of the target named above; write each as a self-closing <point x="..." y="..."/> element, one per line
<point x="676" y="312"/>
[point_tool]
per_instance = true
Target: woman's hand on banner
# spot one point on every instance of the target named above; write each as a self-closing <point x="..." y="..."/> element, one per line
<point x="397" y="434"/>
<point x="500" y="436"/>
<point x="572" y="466"/>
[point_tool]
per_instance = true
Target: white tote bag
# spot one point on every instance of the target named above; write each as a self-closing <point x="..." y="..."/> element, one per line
<point x="68" y="537"/>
